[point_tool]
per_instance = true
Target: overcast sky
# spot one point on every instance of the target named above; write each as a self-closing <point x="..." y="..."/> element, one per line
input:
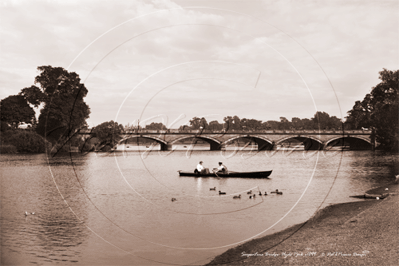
<point x="173" y="60"/>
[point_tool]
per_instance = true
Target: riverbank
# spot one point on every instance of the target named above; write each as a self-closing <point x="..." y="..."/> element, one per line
<point x="355" y="233"/>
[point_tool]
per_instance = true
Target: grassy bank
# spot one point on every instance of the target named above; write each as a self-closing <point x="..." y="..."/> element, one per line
<point x="355" y="233"/>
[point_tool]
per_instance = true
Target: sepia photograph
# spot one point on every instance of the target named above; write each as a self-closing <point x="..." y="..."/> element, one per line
<point x="199" y="132"/>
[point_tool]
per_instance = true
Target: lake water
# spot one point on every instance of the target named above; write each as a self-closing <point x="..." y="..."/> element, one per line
<point x="116" y="209"/>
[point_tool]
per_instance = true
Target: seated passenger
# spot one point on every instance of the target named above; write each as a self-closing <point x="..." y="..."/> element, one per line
<point x="201" y="169"/>
<point x="221" y="169"/>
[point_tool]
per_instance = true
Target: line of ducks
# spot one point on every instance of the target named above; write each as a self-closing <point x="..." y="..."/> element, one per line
<point x="249" y="193"/>
<point x="238" y="196"/>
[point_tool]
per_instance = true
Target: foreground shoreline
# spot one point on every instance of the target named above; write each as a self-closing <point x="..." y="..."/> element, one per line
<point x="354" y="233"/>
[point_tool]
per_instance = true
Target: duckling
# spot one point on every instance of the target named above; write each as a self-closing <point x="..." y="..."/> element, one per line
<point x="212" y="188"/>
<point x="222" y="193"/>
<point x="237" y="197"/>
<point x="249" y="192"/>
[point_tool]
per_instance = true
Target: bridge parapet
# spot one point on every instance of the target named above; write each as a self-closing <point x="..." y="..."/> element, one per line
<point x="313" y="131"/>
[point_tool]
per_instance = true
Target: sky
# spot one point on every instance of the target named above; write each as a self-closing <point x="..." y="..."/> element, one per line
<point x="169" y="61"/>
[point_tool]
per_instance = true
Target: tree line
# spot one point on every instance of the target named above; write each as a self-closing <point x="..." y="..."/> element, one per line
<point x="321" y="120"/>
<point x="59" y="97"/>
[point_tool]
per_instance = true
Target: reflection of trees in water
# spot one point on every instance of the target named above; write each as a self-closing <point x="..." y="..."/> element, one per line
<point x="59" y="232"/>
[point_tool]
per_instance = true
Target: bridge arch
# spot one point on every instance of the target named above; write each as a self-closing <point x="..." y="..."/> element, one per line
<point x="163" y="143"/>
<point x="262" y="142"/>
<point x="214" y="143"/>
<point x="354" y="142"/>
<point x="310" y="142"/>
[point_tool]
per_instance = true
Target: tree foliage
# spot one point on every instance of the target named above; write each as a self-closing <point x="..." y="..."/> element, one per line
<point x="62" y="96"/>
<point x="27" y="141"/>
<point x="379" y="110"/>
<point x="198" y="123"/>
<point x="320" y="121"/>
<point x="108" y="133"/>
<point x="15" y="110"/>
<point x="155" y="126"/>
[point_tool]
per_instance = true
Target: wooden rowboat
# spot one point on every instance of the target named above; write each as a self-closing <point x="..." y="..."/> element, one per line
<point x="262" y="174"/>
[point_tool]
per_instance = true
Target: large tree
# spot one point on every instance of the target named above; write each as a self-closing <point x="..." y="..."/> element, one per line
<point x="379" y="110"/>
<point x="384" y="99"/>
<point x="62" y="95"/>
<point x="15" y="110"/>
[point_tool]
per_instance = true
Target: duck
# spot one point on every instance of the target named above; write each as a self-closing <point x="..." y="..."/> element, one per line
<point x="279" y="193"/>
<point x="254" y="195"/>
<point x="222" y="193"/>
<point x="250" y="197"/>
<point x="32" y="213"/>
<point x="249" y="192"/>
<point x="237" y="197"/>
<point x="265" y="193"/>
<point x="26" y="213"/>
<point x="212" y="188"/>
<point x="174" y="199"/>
<point x="260" y="193"/>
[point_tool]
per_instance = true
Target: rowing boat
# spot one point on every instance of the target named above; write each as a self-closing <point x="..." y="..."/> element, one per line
<point x="262" y="174"/>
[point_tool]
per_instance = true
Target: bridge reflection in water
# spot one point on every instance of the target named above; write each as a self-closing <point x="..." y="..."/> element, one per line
<point x="263" y="140"/>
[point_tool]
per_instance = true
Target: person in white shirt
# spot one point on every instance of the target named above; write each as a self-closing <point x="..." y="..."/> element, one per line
<point x="200" y="167"/>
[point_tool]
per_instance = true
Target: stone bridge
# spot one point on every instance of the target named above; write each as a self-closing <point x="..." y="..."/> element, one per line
<point x="265" y="140"/>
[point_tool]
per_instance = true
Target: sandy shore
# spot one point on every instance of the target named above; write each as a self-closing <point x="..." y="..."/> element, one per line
<point x="355" y="233"/>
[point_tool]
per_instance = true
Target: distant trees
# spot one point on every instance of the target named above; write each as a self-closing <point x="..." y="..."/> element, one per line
<point x="109" y="132"/>
<point x="379" y="110"/>
<point x="15" y="110"/>
<point x="198" y="123"/>
<point x="155" y="126"/>
<point x="320" y="121"/>
<point x="215" y="126"/>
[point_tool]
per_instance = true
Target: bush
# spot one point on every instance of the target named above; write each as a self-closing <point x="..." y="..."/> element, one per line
<point x="7" y="148"/>
<point x="26" y="141"/>
<point x="4" y="126"/>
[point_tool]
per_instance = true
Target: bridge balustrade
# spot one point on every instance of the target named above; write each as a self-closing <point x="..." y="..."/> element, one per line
<point x="173" y="131"/>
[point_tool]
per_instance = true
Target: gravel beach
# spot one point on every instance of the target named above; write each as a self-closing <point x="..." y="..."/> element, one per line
<point x="355" y="233"/>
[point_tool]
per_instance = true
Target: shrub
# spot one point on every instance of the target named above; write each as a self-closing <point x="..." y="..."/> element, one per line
<point x="7" y="148"/>
<point x="27" y="141"/>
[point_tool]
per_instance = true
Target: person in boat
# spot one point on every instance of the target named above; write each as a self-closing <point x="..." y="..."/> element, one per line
<point x="201" y="169"/>
<point x="221" y="169"/>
